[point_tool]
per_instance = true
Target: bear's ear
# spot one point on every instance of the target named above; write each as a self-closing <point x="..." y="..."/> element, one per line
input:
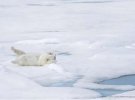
<point x="50" y="53"/>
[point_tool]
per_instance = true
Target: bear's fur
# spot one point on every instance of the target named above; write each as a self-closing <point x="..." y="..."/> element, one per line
<point x="27" y="59"/>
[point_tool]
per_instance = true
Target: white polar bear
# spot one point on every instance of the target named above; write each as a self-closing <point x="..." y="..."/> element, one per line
<point x="26" y="59"/>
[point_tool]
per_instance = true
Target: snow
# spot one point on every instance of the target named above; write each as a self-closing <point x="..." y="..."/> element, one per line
<point x="16" y="86"/>
<point x="93" y="41"/>
<point x="45" y="75"/>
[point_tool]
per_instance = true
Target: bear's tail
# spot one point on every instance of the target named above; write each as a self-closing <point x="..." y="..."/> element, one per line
<point x="17" y="52"/>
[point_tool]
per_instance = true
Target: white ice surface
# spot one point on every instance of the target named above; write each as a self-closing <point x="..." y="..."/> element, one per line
<point x="49" y="74"/>
<point x="16" y="86"/>
<point x="93" y="39"/>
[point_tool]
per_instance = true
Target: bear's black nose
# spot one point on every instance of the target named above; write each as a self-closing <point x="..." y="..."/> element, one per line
<point x="54" y="57"/>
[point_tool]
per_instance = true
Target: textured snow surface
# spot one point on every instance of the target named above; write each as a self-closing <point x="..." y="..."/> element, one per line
<point x="94" y="40"/>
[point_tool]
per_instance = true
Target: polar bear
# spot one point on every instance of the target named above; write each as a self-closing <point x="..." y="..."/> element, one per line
<point x="27" y="59"/>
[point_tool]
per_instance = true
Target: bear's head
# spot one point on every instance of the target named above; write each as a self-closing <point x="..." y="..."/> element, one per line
<point x="47" y="58"/>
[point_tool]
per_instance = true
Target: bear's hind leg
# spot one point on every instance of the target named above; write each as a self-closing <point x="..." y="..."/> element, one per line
<point x="17" y="52"/>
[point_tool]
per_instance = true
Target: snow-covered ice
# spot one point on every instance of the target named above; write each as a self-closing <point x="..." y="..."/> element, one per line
<point x="93" y="41"/>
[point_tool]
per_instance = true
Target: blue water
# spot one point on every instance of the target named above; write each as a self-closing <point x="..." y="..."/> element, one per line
<point x="122" y="80"/>
<point x="63" y="84"/>
<point x="108" y="92"/>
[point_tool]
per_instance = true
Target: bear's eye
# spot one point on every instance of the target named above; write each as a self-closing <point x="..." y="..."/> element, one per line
<point x="47" y="59"/>
<point x="50" y="53"/>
